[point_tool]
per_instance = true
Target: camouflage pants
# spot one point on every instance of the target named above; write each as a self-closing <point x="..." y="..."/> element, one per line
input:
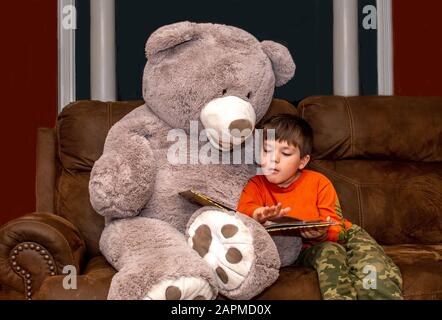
<point x="358" y="269"/>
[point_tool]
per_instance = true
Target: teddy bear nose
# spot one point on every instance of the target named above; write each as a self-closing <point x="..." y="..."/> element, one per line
<point x="240" y="128"/>
<point x="228" y="121"/>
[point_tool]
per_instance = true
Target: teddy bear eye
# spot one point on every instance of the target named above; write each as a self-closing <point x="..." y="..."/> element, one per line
<point x="249" y="95"/>
<point x="224" y="91"/>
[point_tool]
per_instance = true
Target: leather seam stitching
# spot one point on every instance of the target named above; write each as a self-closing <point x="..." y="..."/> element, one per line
<point x="358" y="191"/>
<point x="109" y="116"/>
<point x="350" y="117"/>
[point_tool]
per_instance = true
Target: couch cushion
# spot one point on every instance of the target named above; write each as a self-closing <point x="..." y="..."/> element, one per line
<point x="278" y="106"/>
<point x="294" y="283"/>
<point x="396" y="202"/>
<point x="421" y="268"/>
<point x="420" y="265"/>
<point x="378" y="127"/>
<point x="93" y="284"/>
<point x="72" y="202"/>
<point x="82" y="128"/>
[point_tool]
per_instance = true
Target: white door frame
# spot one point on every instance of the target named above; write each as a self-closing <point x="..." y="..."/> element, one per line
<point x="385" y="47"/>
<point x="66" y="51"/>
<point x="345" y="48"/>
<point x="103" y="50"/>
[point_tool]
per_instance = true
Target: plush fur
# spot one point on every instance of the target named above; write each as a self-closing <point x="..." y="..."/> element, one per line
<point x="135" y="187"/>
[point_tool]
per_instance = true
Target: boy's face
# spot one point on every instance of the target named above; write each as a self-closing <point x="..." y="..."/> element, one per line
<point x="280" y="161"/>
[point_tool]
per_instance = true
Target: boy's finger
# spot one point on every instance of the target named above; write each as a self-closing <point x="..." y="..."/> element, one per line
<point x="308" y="235"/>
<point x="283" y="212"/>
<point x="268" y="214"/>
<point x="280" y="214"/>
<point x="277" y="209"/>
<point x="311" y="236"/>
<point x="321" y="229"/>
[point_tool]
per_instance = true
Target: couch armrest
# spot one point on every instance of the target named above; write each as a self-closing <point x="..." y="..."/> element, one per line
<point x="92" y="284"/>
<point x="36" y="246"/>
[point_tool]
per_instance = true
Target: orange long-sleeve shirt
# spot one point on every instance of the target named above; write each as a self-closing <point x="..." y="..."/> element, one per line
<point x="311" y="197"/>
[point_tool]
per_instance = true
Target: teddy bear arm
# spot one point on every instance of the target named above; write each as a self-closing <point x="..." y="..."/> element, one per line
<point x="123" y="178"/>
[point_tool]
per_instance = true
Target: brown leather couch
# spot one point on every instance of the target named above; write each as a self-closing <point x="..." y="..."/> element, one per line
<point x="383" y="154"/>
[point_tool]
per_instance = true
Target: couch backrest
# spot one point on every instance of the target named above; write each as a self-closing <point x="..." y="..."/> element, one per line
<point x="379" y="127"/>
<point x="80" y="134"/>
<point x="383" y="155"/>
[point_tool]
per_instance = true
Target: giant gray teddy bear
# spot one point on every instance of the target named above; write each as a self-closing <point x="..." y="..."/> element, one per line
<point x="219" y="78"/>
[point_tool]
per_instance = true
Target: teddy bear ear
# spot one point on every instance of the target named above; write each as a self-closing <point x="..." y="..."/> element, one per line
<point x="170" y="36"/>
<point x="282" y="61"/>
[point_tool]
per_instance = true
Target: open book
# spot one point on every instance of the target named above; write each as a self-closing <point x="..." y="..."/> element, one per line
<point x="283" y="223"/>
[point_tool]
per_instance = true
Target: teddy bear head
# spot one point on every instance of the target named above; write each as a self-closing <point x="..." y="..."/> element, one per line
<point x="218" y="75"/>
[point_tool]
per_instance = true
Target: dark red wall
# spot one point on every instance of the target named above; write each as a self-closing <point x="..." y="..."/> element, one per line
<point x="417" y="34"/>
<point x="28" y="82"/>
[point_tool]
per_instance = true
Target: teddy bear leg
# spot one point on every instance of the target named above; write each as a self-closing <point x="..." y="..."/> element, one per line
<point x="239" y="250"/>
<point x="154" y="262"/>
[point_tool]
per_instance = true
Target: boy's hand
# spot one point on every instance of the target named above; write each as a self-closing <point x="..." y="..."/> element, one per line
<point x="315" y="233"/>
<point x="263" y="214"/>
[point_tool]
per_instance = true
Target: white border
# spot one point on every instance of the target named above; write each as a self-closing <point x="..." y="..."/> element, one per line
<point x="66" y="58"/>
<point x="385" y="47"/>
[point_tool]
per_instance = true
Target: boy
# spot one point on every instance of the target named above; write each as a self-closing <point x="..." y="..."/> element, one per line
<point x="349" y="263"/>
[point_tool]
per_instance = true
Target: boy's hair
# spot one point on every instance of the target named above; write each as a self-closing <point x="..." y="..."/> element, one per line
<point x="291" y="129"/>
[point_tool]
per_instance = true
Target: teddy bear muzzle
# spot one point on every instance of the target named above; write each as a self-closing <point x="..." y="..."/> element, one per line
<point x="228" y="121"/>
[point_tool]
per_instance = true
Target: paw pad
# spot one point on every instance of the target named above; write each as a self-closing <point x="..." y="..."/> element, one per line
<point x="233" y="255"/>
<point x="203" y="239"/>
<point x="226" y="244"/>
<point x="229" y="230"/>
<point x="173" y="293"/>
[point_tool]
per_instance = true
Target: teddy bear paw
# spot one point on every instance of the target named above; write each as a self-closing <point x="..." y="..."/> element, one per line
<point x="132" y="283"/>
<point x="227" y="242"/>
<point x="184" y="288"/>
